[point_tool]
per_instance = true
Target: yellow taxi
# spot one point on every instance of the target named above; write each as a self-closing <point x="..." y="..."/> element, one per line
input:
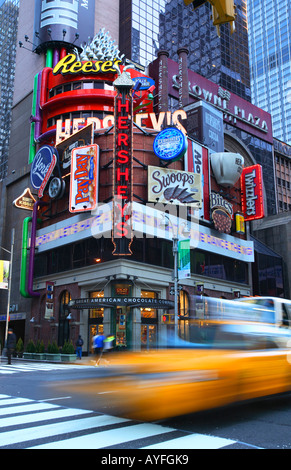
<point x="230" y="355"/>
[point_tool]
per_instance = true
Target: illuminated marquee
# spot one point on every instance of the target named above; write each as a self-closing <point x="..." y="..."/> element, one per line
<point x="70" y="65"/>
<point x="252" y="193"/>
<point x="122" y="173"/>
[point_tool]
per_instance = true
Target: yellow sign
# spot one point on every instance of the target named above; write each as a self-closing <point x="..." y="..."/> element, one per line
<point x="70" y="64"/>
<point x="239" y="223"/>
<point x="4" y="274"/>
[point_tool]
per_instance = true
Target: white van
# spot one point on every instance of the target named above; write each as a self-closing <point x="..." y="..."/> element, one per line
<point x="275" y="310"/>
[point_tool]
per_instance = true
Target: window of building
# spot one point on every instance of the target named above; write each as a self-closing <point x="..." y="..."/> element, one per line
<point x="148" y="312"/>
<point x="183" y="306"/>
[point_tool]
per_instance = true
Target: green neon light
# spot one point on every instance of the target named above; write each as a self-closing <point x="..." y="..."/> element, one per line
<point x="49" y="58"/>
<point x="32" y="146"/>
<point x="24" y="253"/>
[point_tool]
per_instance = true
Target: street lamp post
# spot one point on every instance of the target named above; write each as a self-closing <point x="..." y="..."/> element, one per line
<point x="9" y="281"/>
<point x="175" y="254"/>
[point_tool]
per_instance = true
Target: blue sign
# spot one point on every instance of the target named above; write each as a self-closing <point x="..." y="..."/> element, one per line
<point x="170" y="144"/>
<point x="42" y="167"/>
<point x="146" y="82"/>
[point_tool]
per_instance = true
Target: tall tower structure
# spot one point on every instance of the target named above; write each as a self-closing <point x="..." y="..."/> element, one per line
<point x="8" y="32"/>
<point x="270" y="61"/>
<point x="146" y="27"/>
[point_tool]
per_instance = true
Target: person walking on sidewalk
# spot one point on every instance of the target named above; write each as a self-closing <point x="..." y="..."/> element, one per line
<point x="79" y="344"/>
<point x="98" y="344"/>
<point x="10" y="344"/>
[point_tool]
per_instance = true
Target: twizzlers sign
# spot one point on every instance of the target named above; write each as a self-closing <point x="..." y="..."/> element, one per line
<point x="252" y="193"/>
<point x="122" y="173"/>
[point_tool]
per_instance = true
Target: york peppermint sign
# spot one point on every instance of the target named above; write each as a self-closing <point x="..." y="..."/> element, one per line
<point x="42" y="168"/>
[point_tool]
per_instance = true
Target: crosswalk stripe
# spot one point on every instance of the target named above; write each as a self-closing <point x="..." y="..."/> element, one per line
<point x="41" y="432"/>
<point x="41" y="416"/>
<point x="13" y="401"/>
<point x="112" y="437"/>
<point x="192" y="441"/>
<point x="75" y="429"/>
<point x="26" y="408"/>
<point x="29" y="367"/>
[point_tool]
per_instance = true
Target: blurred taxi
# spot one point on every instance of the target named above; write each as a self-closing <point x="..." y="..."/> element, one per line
<point x="231" y="354"/>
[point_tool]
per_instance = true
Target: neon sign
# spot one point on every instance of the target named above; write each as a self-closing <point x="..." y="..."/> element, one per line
<point x="70" y="65"/>
<point x="252" y="193"/>
<point x="170" y="144"/>
<point x="84" y="178"/>
<point x="42" y="168"/>
<point x="122" y="173"/>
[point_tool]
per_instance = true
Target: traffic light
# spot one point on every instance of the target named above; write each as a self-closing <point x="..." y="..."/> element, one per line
<point x="195" y="3"/>
<point x="223" y="11"/>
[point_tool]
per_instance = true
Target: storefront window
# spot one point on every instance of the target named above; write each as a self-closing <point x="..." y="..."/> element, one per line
<point x="97" y="312"/>
<point x="148" y="336"/>
<point x="149" y="320"/>
<point x="148" y="312"/>
<point x="183" y="304"/>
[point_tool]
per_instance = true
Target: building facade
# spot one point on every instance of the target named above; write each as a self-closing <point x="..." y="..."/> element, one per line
<point x="108" y="266"/>
<point x="8" y="33"/>
<point x="147" y="27"/>
<point x="270" y="56"/>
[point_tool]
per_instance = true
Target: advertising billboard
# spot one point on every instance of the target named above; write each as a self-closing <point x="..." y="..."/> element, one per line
<point x="84" y="178"/>
<point x="252" y="193"/>
<point x="62" y="20"/>
<point x="174" y="186"/>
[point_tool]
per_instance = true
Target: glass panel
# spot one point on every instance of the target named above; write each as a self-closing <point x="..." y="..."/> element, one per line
<point x="93" y="331"/>
<point x="148" y="312"/>
<point x="122" y="314"/>
<point x="148" y="336"/>
<point x="96" y="312"/>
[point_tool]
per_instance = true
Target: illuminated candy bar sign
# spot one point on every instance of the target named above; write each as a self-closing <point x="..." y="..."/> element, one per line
<point x="84" y="178"/>
<point x="252" y="193"/>
<point x="122" y="170"/>
<point x="42" y="168"/>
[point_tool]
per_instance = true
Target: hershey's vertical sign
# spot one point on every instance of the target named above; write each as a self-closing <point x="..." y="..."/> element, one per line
<point x="122" y="172"/>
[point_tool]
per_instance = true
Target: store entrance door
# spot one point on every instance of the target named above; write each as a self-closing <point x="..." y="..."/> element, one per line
<point x="148" y="336"/>
<point x="93" y="331"/>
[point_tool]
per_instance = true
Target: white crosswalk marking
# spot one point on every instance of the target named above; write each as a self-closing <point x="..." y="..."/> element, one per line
<point x="41" y="366"/>
<point x="31" y="424"/>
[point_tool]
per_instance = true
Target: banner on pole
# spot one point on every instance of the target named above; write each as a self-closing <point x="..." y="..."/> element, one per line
<point x="184" y="263"/>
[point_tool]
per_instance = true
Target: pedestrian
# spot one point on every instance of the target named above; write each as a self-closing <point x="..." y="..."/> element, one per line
<point x="109" y="343"/>
<point x="10" y="344"/>
<point x="79" y="344"/>
<point x="98" y="344"/>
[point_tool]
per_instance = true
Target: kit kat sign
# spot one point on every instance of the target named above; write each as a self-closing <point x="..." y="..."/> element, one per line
<point x="252" y="193"/>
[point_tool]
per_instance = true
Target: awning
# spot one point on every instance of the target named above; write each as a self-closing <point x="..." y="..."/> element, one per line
<point x="263" y="249"/>
<point x="96" y="302"/>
